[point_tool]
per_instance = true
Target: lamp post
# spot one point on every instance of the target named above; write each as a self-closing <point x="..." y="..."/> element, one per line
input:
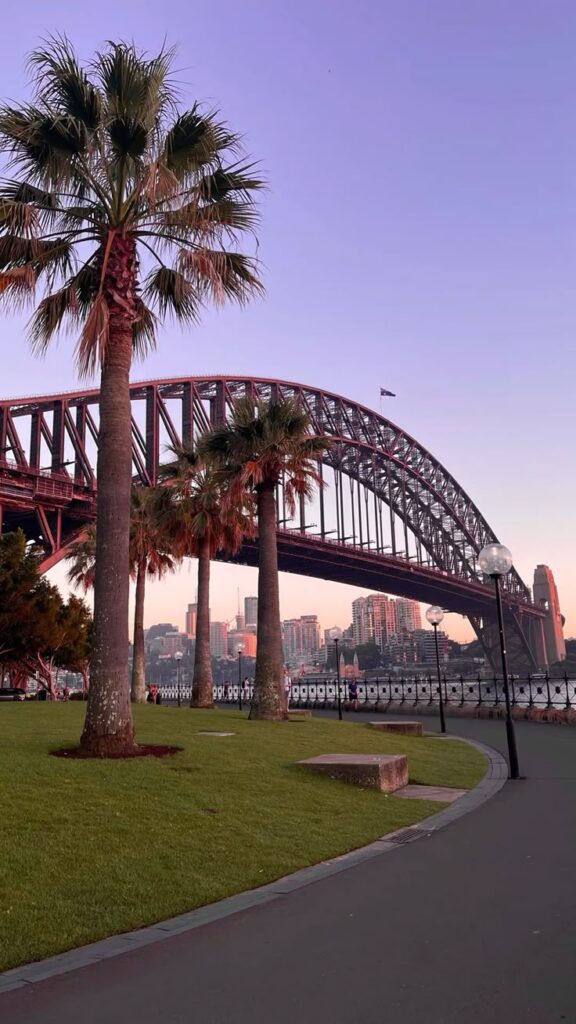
<point x="435" y="615"/>
<point x="178" y="658"/>
<point x="336" y="640"/>
<point x="240" y="648"/>
<point x="495" y="560"/>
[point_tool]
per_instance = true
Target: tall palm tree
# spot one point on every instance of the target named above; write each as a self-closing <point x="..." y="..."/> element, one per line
<point x="111" y="178"/>
<point x="262" y="444"/>
<point x="151" y="554"/>
<point x="202" y="520"/>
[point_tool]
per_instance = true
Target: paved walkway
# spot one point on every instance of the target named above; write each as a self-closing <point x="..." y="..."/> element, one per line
<point x="476" y="925"/>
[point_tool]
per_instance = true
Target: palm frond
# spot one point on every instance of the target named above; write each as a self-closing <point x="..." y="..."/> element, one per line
<point x="128" y="136"/>
<point x="172" y="293"/>
<point x="82" y="560"/>
<point x="49" y="315"/>
<point x="210" y="220"/>
<point x="223" y="182"/>
<point x="16" y="251"/>
<point x="144" y="330"/>
<point x="196" y="139"/>
<point x="159" y="183"/>
<point x="135" y="88"/>
<point x="221" y="275"/>
<point x="62" y="84"/>
<point x="17" y="284"/>
<point x="91" y="347"/>
<point x="72" y="302"/>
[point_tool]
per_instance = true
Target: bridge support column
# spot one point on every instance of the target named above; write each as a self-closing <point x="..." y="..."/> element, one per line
<point x="521" y="657"/>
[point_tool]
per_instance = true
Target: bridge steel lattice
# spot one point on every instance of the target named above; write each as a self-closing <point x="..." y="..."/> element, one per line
<point x="389" y="517"/>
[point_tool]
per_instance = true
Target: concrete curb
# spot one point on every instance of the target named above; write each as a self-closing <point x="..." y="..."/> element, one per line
<point x="29" y="974"/>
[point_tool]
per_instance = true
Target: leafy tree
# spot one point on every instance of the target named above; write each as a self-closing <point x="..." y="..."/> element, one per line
<point x="123" y="209"/>
<point x="19" y="584"/>
<point x="261" y="445"/>
<point x="39" y="632"/>
<point x="369" y="655"/>
<point x="151" y="554"/>
<point x="202" y="520"/>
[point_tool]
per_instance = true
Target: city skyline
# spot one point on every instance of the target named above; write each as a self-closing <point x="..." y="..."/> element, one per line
<point x="484" y="359"/>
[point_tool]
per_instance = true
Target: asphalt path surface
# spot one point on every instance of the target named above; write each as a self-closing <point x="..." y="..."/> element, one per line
<point x="474" y="925"/>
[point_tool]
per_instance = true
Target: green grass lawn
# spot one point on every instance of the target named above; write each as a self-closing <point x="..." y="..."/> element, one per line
<point x="91" y="848"/>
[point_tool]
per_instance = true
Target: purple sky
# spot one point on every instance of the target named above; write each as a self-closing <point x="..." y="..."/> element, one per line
<point x="419" y="232"/>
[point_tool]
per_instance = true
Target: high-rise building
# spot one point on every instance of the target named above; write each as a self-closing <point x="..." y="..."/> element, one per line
<point x="292" y="640"/>
<point x="191" y="617"/>
<point x="240" y="623"/>
<point x="250" y="611"/>
<point x="382" y="611"/>
<point x="373" y="619"/>
<point x="246" y="639"/>
<point x="172" y="643"/>
<point x="310" y="635"/>
<point x="408" y="615"/>
<point x="219" y="639"/>
<point x="361" y="626"/>
<point x="424" y="638"/>
<point x="546" y="594"/>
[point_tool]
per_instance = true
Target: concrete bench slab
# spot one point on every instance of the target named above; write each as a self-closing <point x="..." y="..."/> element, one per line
<point x="441" y="793"/>
<point x="387" y="772"/>
<point x="299" y="714"/>
<point x="405" y="728"/>
<point x="210" y="732"/>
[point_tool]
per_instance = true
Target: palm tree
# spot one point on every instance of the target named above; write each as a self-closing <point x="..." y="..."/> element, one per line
<point x="202" y="521"/>
<point x="111" y="178"/>
<point x="151" y="555"/>
<point x="262" y="444"/>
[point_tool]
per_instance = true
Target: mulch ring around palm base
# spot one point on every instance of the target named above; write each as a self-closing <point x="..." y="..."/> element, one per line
<point x="144" y="750"/>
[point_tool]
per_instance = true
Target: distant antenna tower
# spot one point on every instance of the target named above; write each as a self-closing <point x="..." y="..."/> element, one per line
<point x="238" y="592"/>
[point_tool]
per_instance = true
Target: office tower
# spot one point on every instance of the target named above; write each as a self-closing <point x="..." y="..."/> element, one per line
<point x="408" y="615"/>
<point x="310" y="633"/>
<point x="219" y="639"/>
<point x="373" y="619"/>
<point x="292" y="640"/>
<point x="361" y="630"/>
<point x="191" y="616"/>
<point x="250" y="612"/>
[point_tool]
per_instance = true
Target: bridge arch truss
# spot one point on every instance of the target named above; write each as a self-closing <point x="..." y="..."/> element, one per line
<point x="386" y="496"/>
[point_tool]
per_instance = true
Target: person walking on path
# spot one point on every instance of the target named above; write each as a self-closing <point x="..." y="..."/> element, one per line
<point x="287" y="687"/>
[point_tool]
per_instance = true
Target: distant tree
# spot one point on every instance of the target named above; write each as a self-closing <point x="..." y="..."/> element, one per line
<point x="151" y="554"/>
<point x="202" y="519"/>
<point x="369" y="656"/>
<point x="39" y="632"/>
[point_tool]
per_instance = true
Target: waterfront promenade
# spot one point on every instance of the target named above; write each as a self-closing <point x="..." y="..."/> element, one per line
<point x="474" y="924"/>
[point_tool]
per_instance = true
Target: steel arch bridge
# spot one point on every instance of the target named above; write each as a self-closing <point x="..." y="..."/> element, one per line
<point x="389" y="517"/>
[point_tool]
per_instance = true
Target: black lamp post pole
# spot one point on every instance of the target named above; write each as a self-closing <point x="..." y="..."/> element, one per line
<point x="178" y="682"/>
<point x="442" y="718"/>
<point x="338" y="694"/>
<point x="510" y="733"/>
<point x="240" y="680"/>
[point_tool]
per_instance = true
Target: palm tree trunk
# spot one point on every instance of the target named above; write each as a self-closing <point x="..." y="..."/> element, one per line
<point x="108" y="729"/>
<point x="268" y="699"/>
<point x="202" y="689"/>
<point x="138" y="690"/>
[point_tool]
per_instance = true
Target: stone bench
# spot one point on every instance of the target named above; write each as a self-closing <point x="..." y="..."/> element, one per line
<point x="387" y="772"/>
<point x="298" y="714"/>
<point x="405" y="728"/>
